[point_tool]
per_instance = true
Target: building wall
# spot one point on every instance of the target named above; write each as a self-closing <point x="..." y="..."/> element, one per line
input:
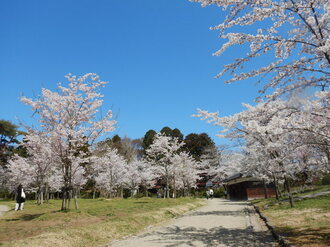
<point x="256" y="193"/>
<point x="237" y="191"/>
<point x="249" y="190"/>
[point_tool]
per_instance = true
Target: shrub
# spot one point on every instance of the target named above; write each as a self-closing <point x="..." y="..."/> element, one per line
<point x="326" y="180"/>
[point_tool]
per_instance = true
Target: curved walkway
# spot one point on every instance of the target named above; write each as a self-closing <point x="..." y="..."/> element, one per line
<point x="219" y="223"/>
<point x="3" y="209"/>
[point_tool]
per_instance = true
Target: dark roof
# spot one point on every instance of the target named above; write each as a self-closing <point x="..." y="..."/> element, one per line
<point x="243" y="179"/>
<point x="237" y="175"/>
<point x="238" y="178"/>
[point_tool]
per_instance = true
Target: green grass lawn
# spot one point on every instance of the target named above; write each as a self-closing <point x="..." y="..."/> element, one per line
<point x="306" y="224"/>
<point x="97" y="222"/>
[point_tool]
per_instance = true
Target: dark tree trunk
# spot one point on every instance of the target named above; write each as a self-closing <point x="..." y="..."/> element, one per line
<point x="276" y="187"/>
<point x="287" y="185"/>
<point x="265" y="188"/>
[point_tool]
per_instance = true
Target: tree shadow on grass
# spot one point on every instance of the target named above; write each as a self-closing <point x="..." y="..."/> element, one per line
<point x="217" y="236"/>
<point x="305" y="236"/>
<point x="26" y="217"/>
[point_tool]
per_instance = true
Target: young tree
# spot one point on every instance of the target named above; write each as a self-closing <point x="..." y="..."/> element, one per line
<point x="294" y="36"/>
<point x="68" y="117"/>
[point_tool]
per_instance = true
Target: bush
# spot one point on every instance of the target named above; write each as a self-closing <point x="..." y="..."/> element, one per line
<point x="219" y="192"/>
<point x="326" y="180"/>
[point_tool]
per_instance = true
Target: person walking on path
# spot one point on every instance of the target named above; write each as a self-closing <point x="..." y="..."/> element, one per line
<point x="20" y="198"/>
<point x="207" y="194"/>
<point x="211" y="193"/>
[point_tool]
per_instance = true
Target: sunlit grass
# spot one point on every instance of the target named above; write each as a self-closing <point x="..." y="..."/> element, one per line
<point x="306" y="224"/>
<point x="98" y="221"/>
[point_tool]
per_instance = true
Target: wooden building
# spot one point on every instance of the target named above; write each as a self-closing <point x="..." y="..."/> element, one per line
<point x="247" y="188"/>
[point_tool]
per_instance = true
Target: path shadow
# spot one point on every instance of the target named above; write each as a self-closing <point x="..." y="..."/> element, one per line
<point x="218" y="213"/>
<point x="243" y="203"/>
<point x="217" y="236"/>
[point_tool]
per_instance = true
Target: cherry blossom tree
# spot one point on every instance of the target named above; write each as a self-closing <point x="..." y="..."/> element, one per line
<point x="186" y="172"/>
<point x="68" y="117"/>
<point x="283" y="140"/>
<point x="290" y="37"/>
<point x="161" y="154"/>
<point x="229" y="163"/>
<point x="41" y="160"/>
<point x="110" y="170"/>
<point x="140" y="173"/>
<point x="19" y="172"/>
<point x="132" y="176"/>
<point x="312" y="124"/>
<point x="267" y="140"/>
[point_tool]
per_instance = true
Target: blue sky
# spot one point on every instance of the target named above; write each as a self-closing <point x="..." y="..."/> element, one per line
<point x="156" y="54"/>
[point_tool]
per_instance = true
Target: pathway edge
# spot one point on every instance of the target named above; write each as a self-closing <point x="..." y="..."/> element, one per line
<point x="280" y="239"/>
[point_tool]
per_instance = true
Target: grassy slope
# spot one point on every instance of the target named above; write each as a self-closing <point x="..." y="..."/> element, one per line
<point x="307" y="224"/>
<point x="98" y="221"/>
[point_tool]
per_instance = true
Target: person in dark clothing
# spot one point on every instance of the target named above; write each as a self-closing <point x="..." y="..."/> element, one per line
<point x="226" y="194"/>
<point x="20" y="198"/>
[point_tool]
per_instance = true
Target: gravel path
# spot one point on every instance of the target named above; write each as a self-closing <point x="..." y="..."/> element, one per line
<point x="3" y="209"/>
<point x="219" y="223"/>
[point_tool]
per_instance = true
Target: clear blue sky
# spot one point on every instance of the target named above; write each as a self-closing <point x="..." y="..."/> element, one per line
<point x="156" y="54"/>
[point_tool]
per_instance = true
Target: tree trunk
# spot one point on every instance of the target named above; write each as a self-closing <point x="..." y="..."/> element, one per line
<point x="174" y="187"/>
<point x="265" y="188"/>
<point x="121" y="192"/>
<point x="46" y="193"/>
<point x="289" y="191"/>
<point x="167" y="189"/>
<point x="146" y="191"/>
<point x="75" y="199"/>
<point x="41" y="197"/>
<point x="63" y="201"/>
<point x="276" y="187"/>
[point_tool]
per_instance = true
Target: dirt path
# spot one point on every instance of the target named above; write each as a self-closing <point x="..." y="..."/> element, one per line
<point x="3" y="209"/>
<point x="219" y="223"/>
